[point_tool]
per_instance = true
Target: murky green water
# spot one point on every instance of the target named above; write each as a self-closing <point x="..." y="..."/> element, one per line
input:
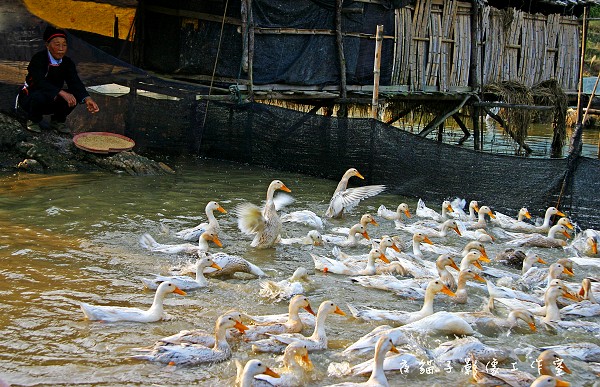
<point x="71" y="238"/>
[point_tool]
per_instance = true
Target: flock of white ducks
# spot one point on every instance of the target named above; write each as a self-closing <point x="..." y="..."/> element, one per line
<point x="283" y="333"/>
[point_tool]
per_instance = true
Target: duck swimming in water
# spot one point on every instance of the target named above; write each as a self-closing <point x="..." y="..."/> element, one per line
<point x="193" y="233"/>
<point x="120" y="313"/>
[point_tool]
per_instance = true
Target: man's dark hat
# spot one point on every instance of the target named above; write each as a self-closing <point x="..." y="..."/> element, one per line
<point x="52" y="32"/>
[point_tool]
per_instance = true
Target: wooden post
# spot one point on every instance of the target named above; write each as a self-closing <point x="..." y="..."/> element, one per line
<point x="474" y="70"/>
<point x="581" y="60"/>
<point x="244" y="17"/>
<point x="343" y="110"/>
<point x="250" y="51"/>
<point x="575" y="144"/>
<point x="376" y="70"/>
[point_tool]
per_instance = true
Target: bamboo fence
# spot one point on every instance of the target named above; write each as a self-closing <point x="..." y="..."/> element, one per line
<point x="433" y="47"/>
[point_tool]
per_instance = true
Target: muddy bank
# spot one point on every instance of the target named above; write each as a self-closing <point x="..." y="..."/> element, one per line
<point x="49" y="152"/>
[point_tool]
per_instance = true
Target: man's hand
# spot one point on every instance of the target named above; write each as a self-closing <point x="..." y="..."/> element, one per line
<point x="91" y="105"/>
<point x="70" y="98"/>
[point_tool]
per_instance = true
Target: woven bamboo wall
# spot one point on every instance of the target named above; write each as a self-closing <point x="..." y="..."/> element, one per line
<point x="433" y="47"/>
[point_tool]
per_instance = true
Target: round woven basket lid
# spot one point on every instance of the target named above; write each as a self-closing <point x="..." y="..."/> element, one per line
<point x="103" y="142"/>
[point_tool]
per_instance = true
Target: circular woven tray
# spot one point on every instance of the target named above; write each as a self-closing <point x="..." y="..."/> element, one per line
<point x="103" y="142"/>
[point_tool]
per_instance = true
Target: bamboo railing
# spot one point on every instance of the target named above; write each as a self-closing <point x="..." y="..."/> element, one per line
<point x="433" y="47"/>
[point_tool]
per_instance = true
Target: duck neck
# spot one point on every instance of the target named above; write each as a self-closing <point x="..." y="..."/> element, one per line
<point x="472" y="214"/>
<point x="427" y="308"/>
<point x="202" y="244"/>
<point x="342" y="184"/>
<point x="461" y="288"/>
<point x="246" y="379"/>
<point x="552" y="311"/>
<point x="547" y="217"/>
<point x="378" y="375"/>
<point x="157" y="304"/>
<point x="319" y="332"/>
<point x="511" y="320"/>
<point x="293" y="314"/>
<point x="370" y="264"/>
<point x="221" y="339"/>
<point x="527" y="264"/>
<point x="212" y="221"/>
<point x="200" y="278"/>
<point x="417" y="249"/>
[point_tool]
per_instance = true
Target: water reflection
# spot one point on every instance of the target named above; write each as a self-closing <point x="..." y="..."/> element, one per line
<point x="71" y="238"/>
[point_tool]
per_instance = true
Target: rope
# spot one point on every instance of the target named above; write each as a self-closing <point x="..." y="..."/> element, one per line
<point x="212" y="79"/>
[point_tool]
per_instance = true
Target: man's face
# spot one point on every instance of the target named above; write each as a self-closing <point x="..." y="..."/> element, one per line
<point x="57" y="47"/>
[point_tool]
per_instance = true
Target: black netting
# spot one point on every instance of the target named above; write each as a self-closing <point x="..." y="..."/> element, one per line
<point x="408" y="164"/>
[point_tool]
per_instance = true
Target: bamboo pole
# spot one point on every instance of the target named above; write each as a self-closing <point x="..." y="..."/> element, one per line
<point x="343" y="110"/>
<point x="376" y="71"/>
<point x="580" y="86"/>
<point x="475" y="74"/>
<point x="250" y="51"/>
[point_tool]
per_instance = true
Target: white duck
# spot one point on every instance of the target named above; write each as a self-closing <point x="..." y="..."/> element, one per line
<point x="546" y="362"/>
<point x="488" y="323"/>
<point x="109" y="313"/>
<point x="459" y="213"/>
<point x="588" y="352"/>
<point x="587" y="307"/>
<point x="549" y="381"/>
<point x="184" y="282"/>
<point x="377" y="378"/>
<point x="535" y="275"/>
<point x="472" y="258"/>
<point x="231" y="264"/>
<point x="382" y="244"/>
<point x="316" y="342"/>
<point x="585" y="244"/>
<point x="509" y="223"/>
<point x="440" y="231"/>
<point x="546" y="224"/>
<point x="296" y="365"/>
<point x="344" y="198"/>
<point x="306" y="217"/>
<point x="264" y="224"/>
<point x="425" y="212"/>
<point x="365" y="220"/>
<point x="329" y="265"/>
<point x="192" y="354"/>
<point x="396" y="216"/>
<point x="555" y="290"/>
<point x="548" y="241"/>
<point x="481" y="221"/>
<point x="502" y="292"/>
<point x="417" y="239"/>
<point x="293" y="324"/>
<point x="286" y="288"/>
<point x="201" y="336"/>
<point x="402" y="317"/>
<point x="149" y="243"/>
<point x="367" y="342"/>
<point x="313" y="237"/>
<point x="460" y="349"/>
<point x="407" y="288"/>
<point x="193" y="233"/>
<point x="461" y="290"/>
<point x="350" y="240"/>
<point x="245" y="375"/>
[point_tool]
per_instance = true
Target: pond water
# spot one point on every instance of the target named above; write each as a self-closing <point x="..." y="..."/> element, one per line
<point x="72" y="238"/>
